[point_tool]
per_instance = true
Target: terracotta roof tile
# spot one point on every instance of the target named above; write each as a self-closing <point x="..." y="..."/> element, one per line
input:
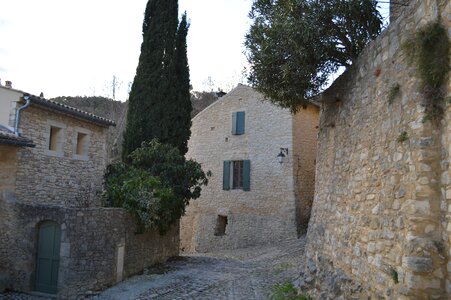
<point x="69" y="110"/>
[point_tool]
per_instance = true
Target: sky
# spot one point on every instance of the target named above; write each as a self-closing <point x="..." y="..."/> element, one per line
<point x="74" y="48"/>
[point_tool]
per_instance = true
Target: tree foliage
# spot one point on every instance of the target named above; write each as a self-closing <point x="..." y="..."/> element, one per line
<point x="294" y="45"/>
<point x="159" y="102"/>
<point x="156" y="186"/>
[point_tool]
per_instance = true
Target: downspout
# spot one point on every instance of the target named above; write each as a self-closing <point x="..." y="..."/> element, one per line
<point x="16" y="124"/>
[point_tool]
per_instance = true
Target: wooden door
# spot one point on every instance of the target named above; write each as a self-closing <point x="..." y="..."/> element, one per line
<point x="47" y="262"/>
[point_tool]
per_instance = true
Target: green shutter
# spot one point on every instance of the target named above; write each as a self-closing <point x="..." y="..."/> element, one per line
<point x="247" y="175"/>
<point x="238" y="121"/>
<point x="226" y="176"/>
<point x="234" y="123"/>
<point x="240" y="118"/>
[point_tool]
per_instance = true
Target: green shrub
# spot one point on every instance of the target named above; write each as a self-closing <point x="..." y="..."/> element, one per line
<point x="394" y="275"/>
<point x="403" y="136"/>
<point x="428" y="51"/>
<point x="393" y="92"/>
<point x="156" y="186"/>
<point x="286" y="291"/>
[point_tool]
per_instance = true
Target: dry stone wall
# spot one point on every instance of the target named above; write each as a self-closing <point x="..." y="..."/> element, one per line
<point x="90" y="243"/>
<point x="382" y="206"/>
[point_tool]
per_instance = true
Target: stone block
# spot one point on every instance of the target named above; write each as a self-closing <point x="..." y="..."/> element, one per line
<point x="417" y="208"/>
<point x="417" y="264"/>
<point x="371" y="247"/>
<point x="448" y="194"/>
<point x="65" y="250"/>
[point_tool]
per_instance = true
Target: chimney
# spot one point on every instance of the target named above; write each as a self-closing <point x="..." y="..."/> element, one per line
<point x="8" y="84"/>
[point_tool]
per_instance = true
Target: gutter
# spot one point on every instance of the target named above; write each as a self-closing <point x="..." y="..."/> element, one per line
<point x="16" y="124"/>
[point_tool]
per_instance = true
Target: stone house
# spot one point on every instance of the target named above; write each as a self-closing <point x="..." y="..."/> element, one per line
<point x="55" y="237"/>
<point x="251" y="198"/>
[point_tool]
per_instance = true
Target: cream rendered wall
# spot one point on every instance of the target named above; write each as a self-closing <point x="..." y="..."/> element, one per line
<point x="264" y="214"/>
<point x="305" y="139"/>
<point x="8" y="102"/>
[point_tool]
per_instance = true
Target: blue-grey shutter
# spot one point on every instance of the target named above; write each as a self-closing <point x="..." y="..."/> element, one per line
<point x="226" y="176"/>
<point x="240" y="120"/>
<point x="234" y="123"/>
<point x="247" y="175"/>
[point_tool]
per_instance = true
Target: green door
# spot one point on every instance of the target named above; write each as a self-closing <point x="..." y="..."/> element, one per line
<point x="48" y="257"/>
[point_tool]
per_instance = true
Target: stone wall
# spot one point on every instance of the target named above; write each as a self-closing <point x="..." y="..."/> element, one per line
<point x="264" y="214"/>
<point x="305" y="137"/>
<point x="107" y="108"/>
<point x="90" y="243"/>
<point x="8" y="167"/>
<point x="59" y="178"/>
<point x="383" y="203"/>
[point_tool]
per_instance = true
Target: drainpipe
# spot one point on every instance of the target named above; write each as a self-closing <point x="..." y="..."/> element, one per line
<point x="16" y="125"/>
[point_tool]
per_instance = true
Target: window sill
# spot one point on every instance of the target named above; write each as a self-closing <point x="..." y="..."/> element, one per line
<point x="81" y="157"/>
<point x="54" y="153"/>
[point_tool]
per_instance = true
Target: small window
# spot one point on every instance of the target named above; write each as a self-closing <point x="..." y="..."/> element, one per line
<point x="236" y="175"/>
<point x="238" y="122"/>
<point x="82" y="144"/>
<point x="221" y="224"/>
<point x="55" y="141"/>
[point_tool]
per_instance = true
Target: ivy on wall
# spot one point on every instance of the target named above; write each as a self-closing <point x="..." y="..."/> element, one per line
<point x="428" y="51"/>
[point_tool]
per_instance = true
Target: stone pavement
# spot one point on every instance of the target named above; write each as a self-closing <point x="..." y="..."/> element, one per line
<point x="247" y="273"/>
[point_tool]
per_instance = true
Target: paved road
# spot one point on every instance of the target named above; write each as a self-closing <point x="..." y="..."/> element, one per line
<point x="248" y="273"/>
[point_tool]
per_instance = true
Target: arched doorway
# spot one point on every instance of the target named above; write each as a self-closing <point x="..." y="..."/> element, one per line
<point x="48" y="256"/>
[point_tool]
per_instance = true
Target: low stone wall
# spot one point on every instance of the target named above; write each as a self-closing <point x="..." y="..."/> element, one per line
<point x="381" y="212"/>
<point x="95" y="244"/>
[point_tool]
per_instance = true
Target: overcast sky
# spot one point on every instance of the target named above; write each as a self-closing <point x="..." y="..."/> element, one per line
<point x="69" y="48"/>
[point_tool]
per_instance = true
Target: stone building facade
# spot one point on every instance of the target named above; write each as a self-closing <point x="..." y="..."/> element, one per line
<point x="55" y="236"/>
<point x="251" y="198"/>
<point x="382" y="208"/>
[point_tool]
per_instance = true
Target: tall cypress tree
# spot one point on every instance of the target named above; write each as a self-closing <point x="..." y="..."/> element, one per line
<point x="184" y="105"/>
<point x="154" y="109"/>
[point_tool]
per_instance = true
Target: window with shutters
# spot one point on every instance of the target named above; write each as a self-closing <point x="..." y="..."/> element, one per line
<point x="238" y="122"/>
<point x="236" y="175"/>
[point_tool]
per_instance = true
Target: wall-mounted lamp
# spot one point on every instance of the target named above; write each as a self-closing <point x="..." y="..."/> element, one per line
<point x="283" y="152"/>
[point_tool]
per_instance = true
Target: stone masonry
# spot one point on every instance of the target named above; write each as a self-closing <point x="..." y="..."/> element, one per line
<point x="279" y="193"/>
<point x="63" y="180"/>
<point x="90" y="243"/>
<point x="382" y="207"/>
<point x="60" y="180"/>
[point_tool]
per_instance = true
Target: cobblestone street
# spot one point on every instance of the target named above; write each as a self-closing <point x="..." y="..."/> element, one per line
<point x="248" y="273"/>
